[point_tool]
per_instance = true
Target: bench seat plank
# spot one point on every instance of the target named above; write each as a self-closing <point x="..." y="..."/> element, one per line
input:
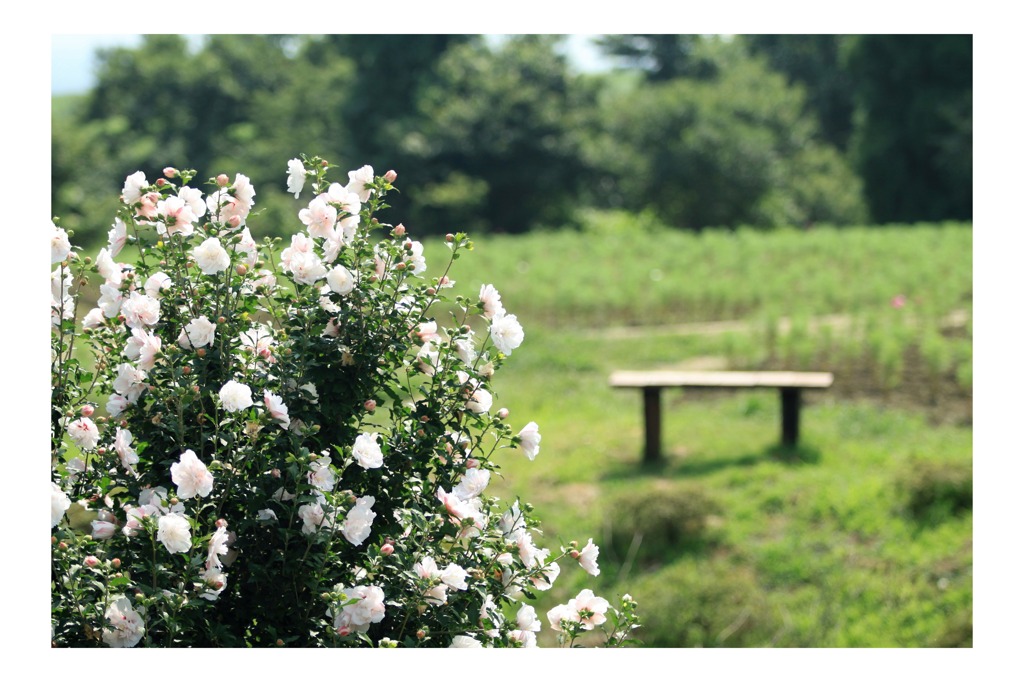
<point x="672" y="379"/>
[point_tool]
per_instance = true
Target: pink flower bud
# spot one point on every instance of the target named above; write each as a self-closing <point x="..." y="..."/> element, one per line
<point x="387" y="550"/>
<point x="234" y="221"/>
<point x="431" y="291"/>
<point x="160" y="182"/>
<point x="444" y="280"/>
<point x="170" y="172"/>
<point x="574" y="554"/>
<point x="222" y="523"/>
<point x="503" y="413"/>
<point x="115" y="562"/>
<point x="241" y="269"/>
<point x="343" y="631"/>
<point x="399" y="230"/>
<point x="449" y="237"/>
<point x="87" y="410"/>
<point x="370" y="405"/>
<point x="91" y="561"/>
<point x="472" y="463"/>
<point x="223" y="180"/>
<point x="391" y="176"/>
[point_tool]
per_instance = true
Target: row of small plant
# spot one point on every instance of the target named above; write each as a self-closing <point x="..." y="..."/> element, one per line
<point x="291" y="449"/>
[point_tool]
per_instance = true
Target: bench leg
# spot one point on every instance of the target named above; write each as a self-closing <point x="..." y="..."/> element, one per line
<point x="790" y="416"/>
<point x="652" y="425"/>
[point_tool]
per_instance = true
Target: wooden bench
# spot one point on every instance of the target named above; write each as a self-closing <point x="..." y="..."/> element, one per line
<point x="789" y="384"/>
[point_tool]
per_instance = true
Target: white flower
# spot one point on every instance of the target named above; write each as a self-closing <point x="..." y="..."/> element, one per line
<point x="320" y="474"/>
<point x="276" y="408"/>
<point x="194" y="198"/>
<point x="427" y="332"/>
<point x="93" y="319"/>
<point x="235" y="397"/>
<point x="529" y="440"/>
<point x="104" y="526"/>
<point x="341" y="280"/>
<point x="247" y="245"/>
<point x="216" y="580"/>
<point x="117" y="236"/>
<point x="191" y="476"/>
<point x="472" y="484"/>
<point x="588" y="558"/>
<point x="349" y="203"/>
<point x="144" y="347"/>
<point x="589" y="609"/>
<point x="133" y="185"/>
<point x="454" y="576"/>
<point x="357" y="617"/>
<point x="156" y="283"/>
<point x="307" y="268"/>
<point x="359" y="520"/>
<point x="130" y="381"/>
<point x="211" y="257"/>
<point x="548" y="575"/>
<point x="466" y="350"/>
<point x="124" y="450"/>
<point x="266" y="515"/>
<point x="108" y="269"/>
<point x="60" y="245"/>
<point x="414" y="257"/>
<point x="110" y="300"/>
<point x="465" y="642"/>
<point x="126" y="625"/>
<point x="300" y="244"/>
<point x="218" y="547"/>
<point x="59" y="504"/>
<point x="173" y="531"/>
<point x="480" y="401"/>
<point x="175" y="217"/>
<point x="319" y="218"/>
<point x="84" y="433"/>
<point x="428" y="359"/>
<point x="313" y="517"/>
<point x="526" y="619"/>
<point x="506" y="332"/>
<point x="116" y="404"/>
<point x="491" y="299"/>
<point x="367" y="451"/>
<point x="140" y="310"/>
<point x="358" y="181"/>
<point x="296" y="177"/>
<point x="197" y="333"/>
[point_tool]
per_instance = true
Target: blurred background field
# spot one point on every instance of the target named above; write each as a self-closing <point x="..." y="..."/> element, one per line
<point x="704" y="202"/>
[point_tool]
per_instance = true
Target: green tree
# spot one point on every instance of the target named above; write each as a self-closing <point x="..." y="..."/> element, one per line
<point x="738" y="149"/>
<point x="661" y="57"/>
<point x="912" y="139"/>
<point x="500" y="137"/>
<point x="814" y="62"/>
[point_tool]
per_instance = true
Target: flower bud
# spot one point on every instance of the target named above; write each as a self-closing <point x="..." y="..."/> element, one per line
<point x="391" y="176"/>
<point x="399" y="266"/>
<point x="387" y="550"/>
<point x="222" y="523"/>
<point x="53" y="539"/>
<point x="449" y="237"/>
<point x="370" y="405"/>
<point x="221" y="319"/>
<point x="62" y="545"/>
<point x="472" y="463"/>
<point x="574" y="554"/>
<point x="399" y="230"/>
<point x="201" y="352"/>
<point x="276" y="473"/>
<point x="118" y="575"/>
<point x="324" y="163"/>
<point x="155" y="419"/>
<point x="424" y="419"/>
<point x="223" y="180"/>
<point x="186" y="370"/>
<point x="160" y="182"/>
<point x="420" y="634"/>
<point x="115" y="562"/>
<point x="431" y="291"/>
<point x="174" y="501"/>
<point x="234" y="221"/>
<point x="91" y="561"/>
<point x="343" y="631"/>
<point x="574" y="544"/>
<point x="421" y="433"/>
<point x="241" y="269"/>
<point x="87" y="410"/>
<point x="279" y="642"/>
<point x="503" y="413"/>
<point x="170" y="172"/>
<point x="101" y="451"/>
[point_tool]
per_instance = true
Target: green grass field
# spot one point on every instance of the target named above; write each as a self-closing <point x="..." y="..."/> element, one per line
<point x="862" y="537"/>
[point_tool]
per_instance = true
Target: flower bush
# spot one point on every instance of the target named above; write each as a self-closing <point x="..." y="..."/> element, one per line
<point x="288" y="448"/>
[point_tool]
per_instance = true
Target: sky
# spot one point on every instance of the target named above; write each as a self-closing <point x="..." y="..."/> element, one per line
<point x="74" y="57"/>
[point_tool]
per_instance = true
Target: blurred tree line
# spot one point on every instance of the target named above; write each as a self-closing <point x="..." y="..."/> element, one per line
<point x="504" y="136"/>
